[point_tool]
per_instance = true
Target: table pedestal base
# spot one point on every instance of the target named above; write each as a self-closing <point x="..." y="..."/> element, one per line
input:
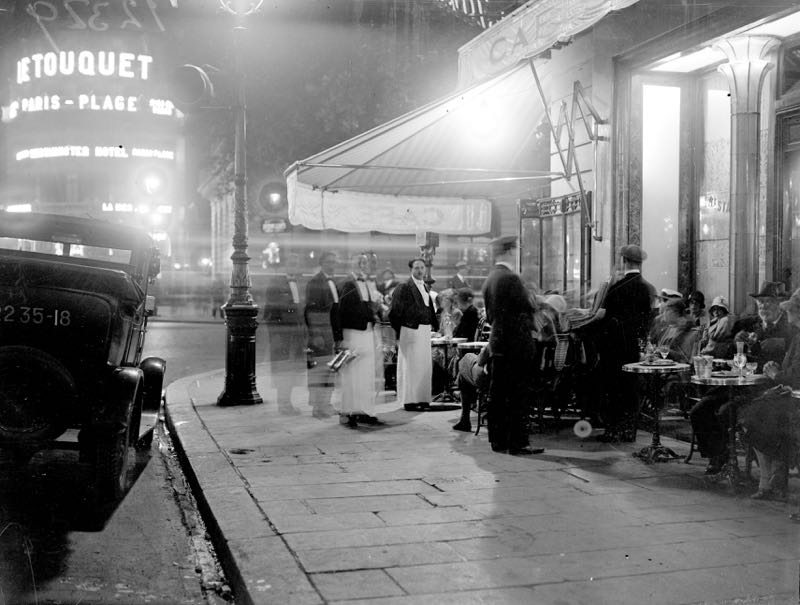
<point x="446" y="396"/>
<point x="655" y="452"/>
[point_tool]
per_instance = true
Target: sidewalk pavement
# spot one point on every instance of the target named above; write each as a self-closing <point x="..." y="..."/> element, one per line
<point x="307" y="511"/>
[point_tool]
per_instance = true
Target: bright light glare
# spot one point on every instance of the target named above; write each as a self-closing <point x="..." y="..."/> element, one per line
<point x="205" y="262"/>
<point x="786" y="26"/>
<point x="152" y="184"/>
<point x="480" y="118"/>
<point x="19" y="208"/>
<point x="704" y="57"/>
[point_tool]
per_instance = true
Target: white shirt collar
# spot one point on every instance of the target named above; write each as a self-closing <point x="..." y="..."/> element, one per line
<point x="505" y="264"/>
<point x="629" y="271"/>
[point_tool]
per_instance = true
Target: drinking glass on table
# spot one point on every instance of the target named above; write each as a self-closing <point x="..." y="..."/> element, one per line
<point x="740" y="361"/>
<point x="750" y="368"/>
<point x="663" y="350"/>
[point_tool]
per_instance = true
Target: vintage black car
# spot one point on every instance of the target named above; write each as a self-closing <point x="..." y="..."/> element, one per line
<point x="73" y="317"/>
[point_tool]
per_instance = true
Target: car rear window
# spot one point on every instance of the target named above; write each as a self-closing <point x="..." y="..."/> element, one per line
<point x="73" y="250"/>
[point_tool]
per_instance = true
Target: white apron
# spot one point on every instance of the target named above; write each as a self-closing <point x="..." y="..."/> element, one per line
<point x="414" y="365"/>
<point x="357" y="378"/>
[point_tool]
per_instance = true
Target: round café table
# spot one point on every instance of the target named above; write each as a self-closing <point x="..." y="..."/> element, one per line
<point x="733" y="382"/>
<point x="447" y="345"/>
<point x="656" y="372"/>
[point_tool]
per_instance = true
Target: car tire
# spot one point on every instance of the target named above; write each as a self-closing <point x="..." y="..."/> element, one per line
<point x="43" y="384"/>
<point x="111" y="464"/>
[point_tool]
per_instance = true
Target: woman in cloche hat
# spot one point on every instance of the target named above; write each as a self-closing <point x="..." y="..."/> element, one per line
<point x="717" y="338"/>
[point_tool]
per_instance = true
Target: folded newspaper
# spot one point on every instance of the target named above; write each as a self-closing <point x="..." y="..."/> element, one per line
<point x="341" y="359"/>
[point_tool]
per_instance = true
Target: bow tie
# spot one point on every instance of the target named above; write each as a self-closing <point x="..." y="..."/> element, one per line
<point x="360" y="278"/>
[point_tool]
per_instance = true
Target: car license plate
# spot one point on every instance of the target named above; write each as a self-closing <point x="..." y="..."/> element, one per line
<point x="22" y="314"/>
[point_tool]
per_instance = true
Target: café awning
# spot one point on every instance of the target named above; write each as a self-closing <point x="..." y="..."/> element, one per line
<point x="437" y="168"/>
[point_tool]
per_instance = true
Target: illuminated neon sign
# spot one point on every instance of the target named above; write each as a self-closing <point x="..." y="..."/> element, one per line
<point x="99" y="151"/>
<point x="90" y="102"/>
<point x="84" y="62"/>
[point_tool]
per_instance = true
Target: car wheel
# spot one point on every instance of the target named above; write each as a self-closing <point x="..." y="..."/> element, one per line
<point x="36" y="390"/>
<point x="111" y="464"/>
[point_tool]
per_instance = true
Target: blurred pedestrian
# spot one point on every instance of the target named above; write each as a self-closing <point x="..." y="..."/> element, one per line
<point x="460" y="280"/>
<point x="218" y="291"/>
<point x="510" y="313"/>
<point x="413" y="318"/>
<point x="321" y="296"/>
<point x="286" y="333"/>
<point x="354" y="321"/>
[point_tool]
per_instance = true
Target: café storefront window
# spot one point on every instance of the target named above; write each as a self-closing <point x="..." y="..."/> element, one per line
<point x="713" y="226"/>
<point x="555" y="247"/>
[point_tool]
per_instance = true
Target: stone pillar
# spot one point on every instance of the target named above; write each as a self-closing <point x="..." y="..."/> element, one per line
<point x="748" y="63"/>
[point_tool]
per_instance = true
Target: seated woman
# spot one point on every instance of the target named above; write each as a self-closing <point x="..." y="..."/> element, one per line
<point x="447" y="312"/>
<point x="679" y="331"/>
<point x="449" y="316"/>
<point x="717" y="338"/>
<point x="771" y="422"/>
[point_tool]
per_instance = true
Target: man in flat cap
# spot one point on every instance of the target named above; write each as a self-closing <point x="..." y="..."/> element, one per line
<point x="459" y="280"/>
<point x="509" y="311"/>
<point x="628" y="305"/>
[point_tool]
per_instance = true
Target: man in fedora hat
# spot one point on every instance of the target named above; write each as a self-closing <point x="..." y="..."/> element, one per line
<point x="459" y="280"/>
<point x="766" y="334"/>
<point x="509" y="311"/>
<point x="628" y="304"/>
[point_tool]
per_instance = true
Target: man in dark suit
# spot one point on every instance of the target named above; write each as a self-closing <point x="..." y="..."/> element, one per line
<point x="628" y="304"/>
<point x="413" y="317"/>
<point x="510" y="311"/>
<point x="321" y="295"/>
<point x="468" y="324"/>
<point x="287" y="334"/>
<point x="459" y="280"/>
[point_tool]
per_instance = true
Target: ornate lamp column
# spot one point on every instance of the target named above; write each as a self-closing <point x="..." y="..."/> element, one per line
<point x="745" y="71"/>
<point x="240" y="310"/>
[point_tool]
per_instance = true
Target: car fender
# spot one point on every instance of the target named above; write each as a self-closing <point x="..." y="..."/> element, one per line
<point x="114" y="412"/>
<point x="153" y="369"/>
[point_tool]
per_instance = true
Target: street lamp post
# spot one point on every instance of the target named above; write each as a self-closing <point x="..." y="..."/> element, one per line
<point x="240" y="310"/>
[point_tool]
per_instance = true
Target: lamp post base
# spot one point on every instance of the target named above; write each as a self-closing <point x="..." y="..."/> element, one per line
<point x="240" y="356"/>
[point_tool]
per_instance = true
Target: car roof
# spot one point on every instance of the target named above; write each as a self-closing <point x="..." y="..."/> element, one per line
<point x="55" y="227"/>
